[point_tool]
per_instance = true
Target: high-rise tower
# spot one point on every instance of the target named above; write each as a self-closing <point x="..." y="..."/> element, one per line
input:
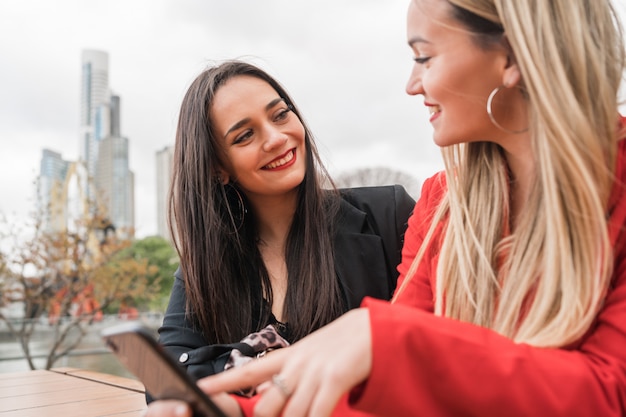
<point x="52" y="176"/>
<point x="100" y="182"/>
<point x="164" y="160"/>
<point x="104" y="151"/>
<point x="94" y="104"/>
<point x="115" y="183"/>
<point x="62" y="203"/>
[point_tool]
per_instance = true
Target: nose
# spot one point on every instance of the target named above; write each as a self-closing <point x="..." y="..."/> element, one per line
<point x="274" y="139"/>
<point x="414" y="83"/>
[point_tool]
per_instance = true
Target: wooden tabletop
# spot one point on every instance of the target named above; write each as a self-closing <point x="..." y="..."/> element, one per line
<point x="69" y="392"/>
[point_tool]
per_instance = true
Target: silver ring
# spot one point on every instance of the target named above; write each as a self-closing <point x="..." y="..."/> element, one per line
<point x="279" y="382"/>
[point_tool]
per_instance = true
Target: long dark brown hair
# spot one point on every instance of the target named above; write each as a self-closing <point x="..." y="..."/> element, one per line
<point x="226" y="281"/>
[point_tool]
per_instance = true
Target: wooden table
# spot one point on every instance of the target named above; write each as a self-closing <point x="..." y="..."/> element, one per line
<point x="69" y="392"/>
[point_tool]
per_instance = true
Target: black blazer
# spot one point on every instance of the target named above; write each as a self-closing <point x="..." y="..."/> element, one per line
<point x="368" y="246"/>
<point x="368" y="242"/>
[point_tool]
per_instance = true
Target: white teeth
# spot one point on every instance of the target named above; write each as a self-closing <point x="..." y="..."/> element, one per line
<point x="434" y="109"/>
<point x="281" y="161"/>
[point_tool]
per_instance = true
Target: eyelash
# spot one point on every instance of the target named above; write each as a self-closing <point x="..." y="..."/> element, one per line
<point x="282" y="113"/>
<point x="421" y="60"/>
<point x="280" y="116"/>
<point x="245" y="135"/>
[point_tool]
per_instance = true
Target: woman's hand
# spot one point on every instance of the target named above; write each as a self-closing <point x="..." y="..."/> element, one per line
<point x="173" y="408"/>
<point x="309" y="377"/>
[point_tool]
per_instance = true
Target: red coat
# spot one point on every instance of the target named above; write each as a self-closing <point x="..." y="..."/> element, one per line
<point x="424" y="365"/>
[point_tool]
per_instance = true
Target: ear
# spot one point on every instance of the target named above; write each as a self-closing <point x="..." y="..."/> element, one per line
<point x="511" y="75"/>
<point x="222" y="176"/>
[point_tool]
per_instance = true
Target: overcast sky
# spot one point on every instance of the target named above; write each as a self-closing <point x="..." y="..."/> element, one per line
<point x="345" y="62"/>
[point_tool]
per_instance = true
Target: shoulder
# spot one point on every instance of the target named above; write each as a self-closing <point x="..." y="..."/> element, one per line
<point x="379" y="208"/>
<point x="433" y="189"/>
<point x="368" y="198"/>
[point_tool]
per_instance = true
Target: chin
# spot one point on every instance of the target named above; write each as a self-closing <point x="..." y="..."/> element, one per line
<point x="447" y="140"/>
<point x="442" y="143"/>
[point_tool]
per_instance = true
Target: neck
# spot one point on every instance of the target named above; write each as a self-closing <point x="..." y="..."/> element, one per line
<point x="274" y="216"/>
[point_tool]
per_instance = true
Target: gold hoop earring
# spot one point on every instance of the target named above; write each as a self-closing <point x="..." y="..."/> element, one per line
<point x="493" y="93"/>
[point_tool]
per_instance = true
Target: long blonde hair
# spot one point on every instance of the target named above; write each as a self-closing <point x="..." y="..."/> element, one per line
<point x="545" y="283"/>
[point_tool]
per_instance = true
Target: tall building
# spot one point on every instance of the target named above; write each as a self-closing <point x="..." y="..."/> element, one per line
<point x="115" y="184"/>
<point x="62" y="203"/>
<point x="51" y="205"/>
<point x="164" y="159"/>
<point x="101" y="179"/>
<point x="104" y="149"/>
<point x="94" y="104"/>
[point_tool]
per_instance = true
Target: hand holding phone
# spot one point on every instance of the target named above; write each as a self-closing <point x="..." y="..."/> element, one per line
<point x="136" y="348"/>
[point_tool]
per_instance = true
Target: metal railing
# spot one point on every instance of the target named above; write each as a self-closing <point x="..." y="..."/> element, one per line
<point x="41" y="339"/>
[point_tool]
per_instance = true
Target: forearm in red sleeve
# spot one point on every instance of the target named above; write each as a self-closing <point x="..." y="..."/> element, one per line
<point x="432" y="366"/>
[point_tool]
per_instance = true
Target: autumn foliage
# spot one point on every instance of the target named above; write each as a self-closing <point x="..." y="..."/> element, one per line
<point x="66" y="280"/>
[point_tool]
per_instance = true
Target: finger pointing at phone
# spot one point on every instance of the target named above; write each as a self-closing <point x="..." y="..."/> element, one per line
<point x="309" y="377"/>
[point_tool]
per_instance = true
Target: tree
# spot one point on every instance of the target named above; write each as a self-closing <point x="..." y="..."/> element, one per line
<point x="67" y="278"/>
<point x="6" y="277"/>
<point x="161" y="256"/>
<point x="378" y="176"/>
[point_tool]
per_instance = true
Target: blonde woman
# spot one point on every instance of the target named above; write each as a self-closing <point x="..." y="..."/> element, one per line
<point x="512" y="295"/>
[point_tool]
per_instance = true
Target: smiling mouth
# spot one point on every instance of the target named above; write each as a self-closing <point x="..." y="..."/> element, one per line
<point x="434" y="109"/>
<point x="283" y="160"/>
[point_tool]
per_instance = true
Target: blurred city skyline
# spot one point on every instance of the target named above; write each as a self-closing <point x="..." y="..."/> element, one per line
<point x="345" y="63"/>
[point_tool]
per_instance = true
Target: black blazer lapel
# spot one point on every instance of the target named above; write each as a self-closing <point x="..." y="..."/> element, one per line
<point x="360" y="259"/>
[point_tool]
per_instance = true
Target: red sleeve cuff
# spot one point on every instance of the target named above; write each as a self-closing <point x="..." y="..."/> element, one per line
<point x="246" y="404"/>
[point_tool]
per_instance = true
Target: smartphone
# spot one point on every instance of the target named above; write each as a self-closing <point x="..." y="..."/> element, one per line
<point x="137" y="349"/>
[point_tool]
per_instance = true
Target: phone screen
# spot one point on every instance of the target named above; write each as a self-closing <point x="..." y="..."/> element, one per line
<point x="137" y="349"/>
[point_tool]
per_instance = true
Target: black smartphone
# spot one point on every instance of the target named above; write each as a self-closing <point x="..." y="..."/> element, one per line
<point x="137" y="349"/>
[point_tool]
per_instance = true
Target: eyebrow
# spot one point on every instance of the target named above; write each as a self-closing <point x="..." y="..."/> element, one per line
<point x="242" y="122"/>
<point x="417" y="39"/>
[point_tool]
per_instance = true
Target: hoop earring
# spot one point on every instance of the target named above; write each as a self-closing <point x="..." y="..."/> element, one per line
<point x="493" y="93"/>
<point x="233" y="197"/>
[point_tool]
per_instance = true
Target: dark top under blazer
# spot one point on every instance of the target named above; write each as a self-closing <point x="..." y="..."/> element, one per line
<point x="368" y="245"/>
